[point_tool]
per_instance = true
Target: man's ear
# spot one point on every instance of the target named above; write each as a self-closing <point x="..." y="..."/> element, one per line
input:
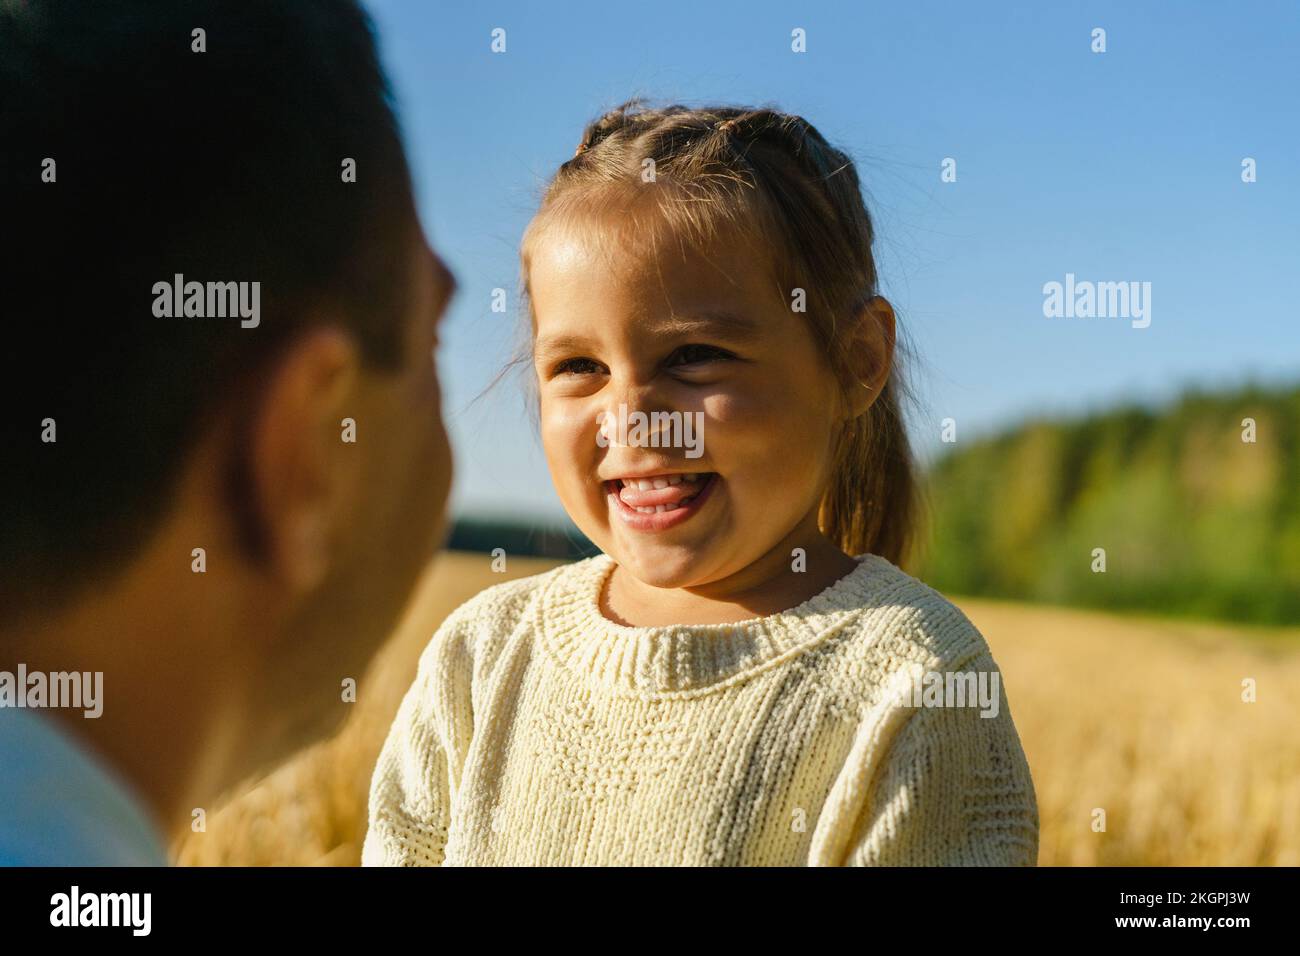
<point x="870" y="351"/>
<point x="299" y="465"/>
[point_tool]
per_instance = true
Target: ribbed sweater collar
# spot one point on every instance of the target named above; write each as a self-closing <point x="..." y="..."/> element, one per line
<point x="687" y="660"/>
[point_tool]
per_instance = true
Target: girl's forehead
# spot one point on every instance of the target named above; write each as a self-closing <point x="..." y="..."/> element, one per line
<point x="636" y="246"/>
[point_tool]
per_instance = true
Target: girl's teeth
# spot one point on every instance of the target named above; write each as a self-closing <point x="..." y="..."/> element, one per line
<point x="654" y="484"/>
<point x="660" y="509"/>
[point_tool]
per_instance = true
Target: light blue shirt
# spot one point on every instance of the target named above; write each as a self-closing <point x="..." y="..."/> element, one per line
<point x="61" y="805"/>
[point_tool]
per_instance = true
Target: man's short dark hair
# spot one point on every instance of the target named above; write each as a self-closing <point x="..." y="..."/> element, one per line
<point x="217" y="155"/>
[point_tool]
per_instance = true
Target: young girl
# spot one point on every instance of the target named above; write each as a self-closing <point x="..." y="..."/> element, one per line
<point x="743" y="677"/>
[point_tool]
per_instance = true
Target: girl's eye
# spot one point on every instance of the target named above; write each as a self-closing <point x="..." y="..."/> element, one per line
<point x="576" y="366"/>
<point x="698" y="355"/>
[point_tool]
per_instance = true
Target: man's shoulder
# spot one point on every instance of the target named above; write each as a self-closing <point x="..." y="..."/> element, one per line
<point x="60" y="805"/>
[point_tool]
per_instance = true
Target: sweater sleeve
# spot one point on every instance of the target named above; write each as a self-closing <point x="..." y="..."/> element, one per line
<point x="938" y="786"/>
<point x="411" y="790"/>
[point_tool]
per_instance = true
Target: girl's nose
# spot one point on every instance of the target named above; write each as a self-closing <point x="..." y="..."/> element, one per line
<point x="636" y="396"/>
<point x="636" y="416"/>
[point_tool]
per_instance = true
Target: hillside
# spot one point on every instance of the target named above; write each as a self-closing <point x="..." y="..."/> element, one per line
<point x="1193" y="519"/>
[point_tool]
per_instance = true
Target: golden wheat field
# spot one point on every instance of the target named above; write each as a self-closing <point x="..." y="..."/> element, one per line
<point x="1140" y="717"/>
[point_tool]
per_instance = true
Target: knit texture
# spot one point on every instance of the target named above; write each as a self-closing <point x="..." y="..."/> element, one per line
<point x="537" y="732"/>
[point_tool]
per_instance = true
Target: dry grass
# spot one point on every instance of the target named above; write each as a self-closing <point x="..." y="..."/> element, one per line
<point x="1140" y="717"/>
<point x="1144" y="719"/>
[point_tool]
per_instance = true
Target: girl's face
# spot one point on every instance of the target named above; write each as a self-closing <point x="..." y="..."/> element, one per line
<point x="709" y="339"/>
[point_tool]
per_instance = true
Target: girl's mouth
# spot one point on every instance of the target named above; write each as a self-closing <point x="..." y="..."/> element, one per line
<point x="658" y="502"/>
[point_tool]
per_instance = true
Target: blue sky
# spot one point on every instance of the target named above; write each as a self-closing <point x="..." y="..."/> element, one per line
<point x="1118" y="166"/>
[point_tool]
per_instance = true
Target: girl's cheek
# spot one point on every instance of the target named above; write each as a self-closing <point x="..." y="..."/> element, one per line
<point x="560" y="419"/>
<point x="734" y="411"/>
<point x="568" y="437"/>
<point x="772" y="432"/>
<point x="744" y="419"/>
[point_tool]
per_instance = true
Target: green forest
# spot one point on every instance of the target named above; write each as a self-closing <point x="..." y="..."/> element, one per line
<point x="1196" y="507"/>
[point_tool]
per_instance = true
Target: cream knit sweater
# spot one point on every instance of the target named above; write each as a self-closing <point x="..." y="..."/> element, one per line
<point x="538" y="732"/>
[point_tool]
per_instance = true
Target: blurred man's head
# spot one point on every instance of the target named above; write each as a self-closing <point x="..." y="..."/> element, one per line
<point x="146" y="146"/>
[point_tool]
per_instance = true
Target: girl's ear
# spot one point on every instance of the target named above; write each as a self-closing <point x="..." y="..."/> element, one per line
<point x="870" y="353"/>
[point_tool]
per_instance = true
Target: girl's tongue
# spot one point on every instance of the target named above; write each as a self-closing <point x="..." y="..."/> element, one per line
<point x="635" y="496"/>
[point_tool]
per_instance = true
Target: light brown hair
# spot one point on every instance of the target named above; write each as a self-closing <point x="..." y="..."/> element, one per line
<point x="774" y="176"/>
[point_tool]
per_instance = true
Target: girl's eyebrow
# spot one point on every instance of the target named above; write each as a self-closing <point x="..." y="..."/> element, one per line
<point x="557" y="345"/>
<point x="728" y="325"/>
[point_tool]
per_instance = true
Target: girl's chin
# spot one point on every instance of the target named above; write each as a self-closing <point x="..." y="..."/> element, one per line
<point x="664" y="566"/>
